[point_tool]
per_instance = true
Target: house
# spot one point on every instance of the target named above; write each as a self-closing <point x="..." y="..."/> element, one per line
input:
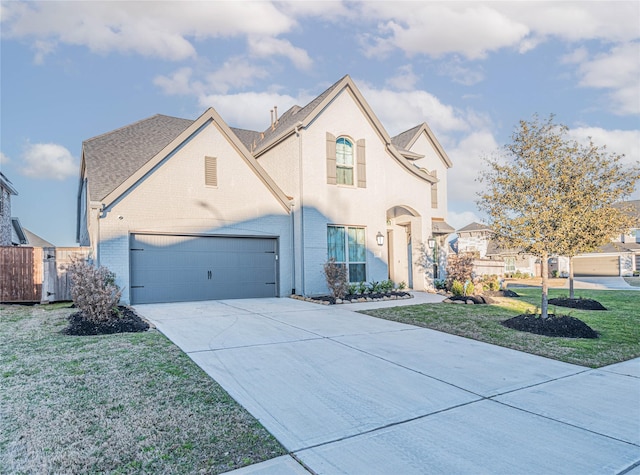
<point x="620" y="257"/>
<point x="11" y="232"/>
<point x="491" y="259"/>
<point x="197" y="210"/>
<point x="34" y="240"/>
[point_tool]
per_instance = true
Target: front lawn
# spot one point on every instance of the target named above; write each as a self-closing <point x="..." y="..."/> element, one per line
<point x="618" y="327"/>
<point x="123" y="403"/>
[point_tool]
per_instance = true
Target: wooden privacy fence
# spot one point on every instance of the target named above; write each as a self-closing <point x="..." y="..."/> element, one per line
<point x="37" y="274"/>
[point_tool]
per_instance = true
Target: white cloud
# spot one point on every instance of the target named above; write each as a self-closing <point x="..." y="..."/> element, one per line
<point x="48" y="160"/>
<point x="436" y="29"/>
<point x="618" y="70"/>
<point x="263" y="47"/>
<point x="158" y="29"/>
<point x="625" y="142"/>
<point x="468" y="160"/>
<point x="235" y="73"/>
<point x="400" y="110"/>
<point x="404" y="80"/>
<point x="474" y="30"/>
<point x="250" y="110"/>
<point x="460" y="73"/>
<point x="4" y="159"/>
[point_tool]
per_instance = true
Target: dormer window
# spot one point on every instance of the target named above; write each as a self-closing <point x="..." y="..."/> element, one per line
<point x="344" y="161"/>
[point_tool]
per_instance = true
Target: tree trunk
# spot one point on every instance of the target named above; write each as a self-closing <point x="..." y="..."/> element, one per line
<point x="571" y="294"/>
<point x="544" y="306"/>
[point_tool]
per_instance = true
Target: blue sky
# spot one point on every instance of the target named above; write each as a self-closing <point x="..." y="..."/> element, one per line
<point x="74" y="70"/>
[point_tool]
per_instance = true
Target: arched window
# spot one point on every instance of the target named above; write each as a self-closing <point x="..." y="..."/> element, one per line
<point x="344" y="161"/>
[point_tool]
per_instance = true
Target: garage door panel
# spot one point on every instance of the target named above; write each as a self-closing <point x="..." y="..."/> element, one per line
<point x="597" y="266"/>
<point x="168" y="268"/>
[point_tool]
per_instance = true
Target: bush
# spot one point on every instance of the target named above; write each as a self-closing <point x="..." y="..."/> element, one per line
<point x="469" y="288"/>
<point x="386" y="286"/>
<point x="440" y="284"/>
<point x="94" y="291"/>
<point x="336" y="275"/>
<point x="457" y="288"/>
<point x="490" y="283"/>
<point x="460" y="268"/>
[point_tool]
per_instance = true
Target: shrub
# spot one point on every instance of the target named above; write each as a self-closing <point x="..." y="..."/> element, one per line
<point x="94" y="291"/>
<point x="353" y="289"/>
<point x="402" y="286"/>
<point x="386" y="286"/>
<point x="490" y="283"/>
<point x="440" y="284"/>
<point x="469" y="288"/>
<point x="336" y="275"/>
<point x="457" y="288"/>
<point x="363" y="288"/>
<point x="460" y="268"/>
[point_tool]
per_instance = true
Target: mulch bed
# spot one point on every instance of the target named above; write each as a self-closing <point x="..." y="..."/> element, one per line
<point x="127" y="322"/>
<point x="332" y="300"/>
<point x="476" y="299"/>
<point x="500" y="293"/>
<point x="579" y="303"/>
<point x="558" y="326"/>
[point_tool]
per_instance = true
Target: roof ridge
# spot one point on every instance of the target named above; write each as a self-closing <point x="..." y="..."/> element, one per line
<point x="131" y="125"/>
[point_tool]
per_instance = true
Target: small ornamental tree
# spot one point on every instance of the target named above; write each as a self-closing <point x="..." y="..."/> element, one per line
<point x="94" y="291"/>
<point x="336" y="275"/>
<point x="551" y="196"/>
<point x="459" y="268"/>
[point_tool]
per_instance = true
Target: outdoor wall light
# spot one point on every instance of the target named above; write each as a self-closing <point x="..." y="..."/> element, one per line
<point x="380" y="239"/>
<point x="431" y="242"/>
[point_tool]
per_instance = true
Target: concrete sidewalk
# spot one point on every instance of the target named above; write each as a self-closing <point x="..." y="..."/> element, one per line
<point x="348" y="393"/>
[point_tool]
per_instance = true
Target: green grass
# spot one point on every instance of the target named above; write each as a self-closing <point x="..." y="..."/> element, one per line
<point x="618" y="327"/>
<point x="125" y="403"/>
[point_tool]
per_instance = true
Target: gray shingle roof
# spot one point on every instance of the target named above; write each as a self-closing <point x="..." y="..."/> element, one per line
<point x="402" y="140"/>
<point x="474" y="227"/>
<point x="113" y="157"/>
<point x="34" y="240"/>
<point x="294" y="115"/>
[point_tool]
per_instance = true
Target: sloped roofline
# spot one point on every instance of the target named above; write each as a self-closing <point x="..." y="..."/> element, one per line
<point x="424" y="128"/>
<point x="210" y="115"/>
<point x="346" y="83"/>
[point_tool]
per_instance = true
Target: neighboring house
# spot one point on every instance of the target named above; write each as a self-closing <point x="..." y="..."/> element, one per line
<point x="620" y="257"/>
<point x="476" y="238"/>
<point x="197" y="210"/>
<point x="34" y="240"/>
<point x="11" y="232"/>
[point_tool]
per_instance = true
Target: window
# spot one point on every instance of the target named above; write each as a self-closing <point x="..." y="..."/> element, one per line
<point x="344" y="161"/>
<point x="211" y="171"/>
<point x="347" y="246"/>
<point x="509" y="264"/>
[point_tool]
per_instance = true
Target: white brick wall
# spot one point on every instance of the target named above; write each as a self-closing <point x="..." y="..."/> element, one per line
<point x="174" y="199"/>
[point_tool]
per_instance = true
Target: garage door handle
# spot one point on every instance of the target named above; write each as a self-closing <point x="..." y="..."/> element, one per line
<point x="209" y="275"/>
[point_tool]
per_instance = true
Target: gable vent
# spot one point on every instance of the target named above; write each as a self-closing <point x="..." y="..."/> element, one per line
<point x="211" y="171"/>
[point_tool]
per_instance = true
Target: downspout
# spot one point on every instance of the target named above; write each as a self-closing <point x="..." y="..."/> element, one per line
<point x="301" y="206"/>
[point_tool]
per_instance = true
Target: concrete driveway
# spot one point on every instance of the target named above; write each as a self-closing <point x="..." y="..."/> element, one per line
<point x="600" y="283"/>
<point x="347" y="393"/>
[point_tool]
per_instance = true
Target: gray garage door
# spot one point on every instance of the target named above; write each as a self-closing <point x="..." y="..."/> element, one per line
<point x="600" y="266"/>
<point x="169" y="268"/>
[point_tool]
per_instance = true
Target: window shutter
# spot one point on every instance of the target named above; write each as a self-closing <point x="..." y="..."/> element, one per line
<point x="434" y="191"/>
<point x="211" y="171"/>
<point x="331" y="159"/>
<point x="362" y="169"/>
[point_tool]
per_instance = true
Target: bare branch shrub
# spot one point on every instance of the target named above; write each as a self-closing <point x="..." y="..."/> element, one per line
<point x="460" y="268"/>
<point x="94" y="291"/>
<point x="336" y="275"/>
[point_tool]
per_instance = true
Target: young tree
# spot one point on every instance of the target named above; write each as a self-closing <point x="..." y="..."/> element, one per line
<point x="549" y="195"/>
